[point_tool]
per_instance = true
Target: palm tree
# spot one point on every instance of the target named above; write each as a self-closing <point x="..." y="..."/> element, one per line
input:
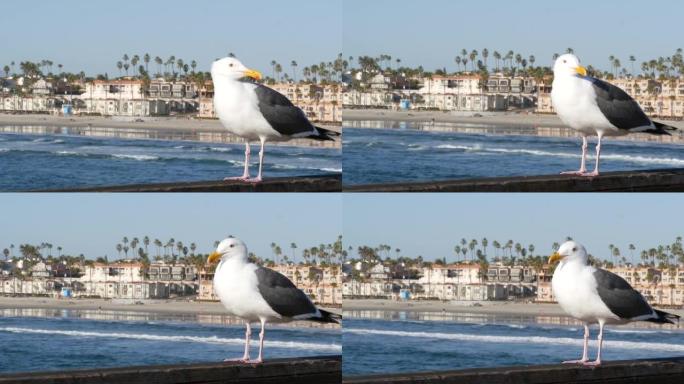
<point x="293" y="64"/>
<point x="146" y="59"/>
<point x="119" y="65"/>
<point x="632" y="59"/>
<point x="485" y="55"/>
<point x="158" y="60"/>
<point x="6" y="68"/>
<point x="473" y="56"/>
<point x="457" y="59"/>
<point x="293" y="246"/>
<point x="497" y="57"/>
<point x="278" y="70"/>
<point x="193" y="65"/>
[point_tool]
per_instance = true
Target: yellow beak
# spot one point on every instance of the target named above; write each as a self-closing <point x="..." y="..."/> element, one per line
<point x="555" y="257"/>
<point x="256" y="75"/>
<point x="581" y="70"/>
<point x="214" y="257"/>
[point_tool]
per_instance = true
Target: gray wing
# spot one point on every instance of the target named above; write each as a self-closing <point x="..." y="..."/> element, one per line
<point x="281" y="114"/>
<point x="619" y="296"/>
<point x="282" y="295"/>
<point x="618" y="107"/>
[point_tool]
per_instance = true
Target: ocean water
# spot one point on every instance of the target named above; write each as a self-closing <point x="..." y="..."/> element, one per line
<point x="386" y="342"/>
<point x="408" y="154"/>
<point x="70" y="339"/>
<point x="40" y="161"/>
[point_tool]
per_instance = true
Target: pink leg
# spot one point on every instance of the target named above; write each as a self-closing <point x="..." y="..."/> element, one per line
<point x="600" y="345"/>
<point x="261" y="163"/>
<point x="245" y="357"/>
<point x="598" y="159"/>
<point x="583" y="167"/>
<point x="585" y="353"/>
<point x="245" y="174"/>
<point x="260" y="359"/>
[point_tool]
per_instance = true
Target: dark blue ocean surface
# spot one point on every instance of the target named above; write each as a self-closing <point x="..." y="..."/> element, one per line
<point x="407" y="342"/>
<point x="68" y="340"/>
<point x="402" y="155"/>
<point x="30" y="161"/>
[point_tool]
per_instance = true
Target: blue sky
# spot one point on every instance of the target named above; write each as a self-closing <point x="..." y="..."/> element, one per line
<point x="433" y="32"/>
<point x="431" y="224"/>
<point x="92" y="224"/>
<point x="93" y="35"/>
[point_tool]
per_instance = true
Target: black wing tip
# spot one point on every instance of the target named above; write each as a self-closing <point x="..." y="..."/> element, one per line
<point x="661" y="129"/>
<point x="328" y="317"/>
<point x="325" y="134"/>
<point x="665" y="317"/>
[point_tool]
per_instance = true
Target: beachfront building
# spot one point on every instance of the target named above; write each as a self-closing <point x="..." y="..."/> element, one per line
<point x="518" y="91"/>
<point x="15" y="286"/>
<point x="124" y="97"/>
<point x="461" y="92"/>
<point x="206" y="101"/>
<point x="179" y="96"/>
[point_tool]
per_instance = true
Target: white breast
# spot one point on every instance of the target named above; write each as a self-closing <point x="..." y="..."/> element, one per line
<point x="574" y="287"/>
<point x="574" y="101"/>
<point x="235" y="284"/>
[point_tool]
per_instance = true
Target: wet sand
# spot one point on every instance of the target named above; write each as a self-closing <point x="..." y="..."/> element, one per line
<point x="484" y="307"/>
<point x="523" y="118"/>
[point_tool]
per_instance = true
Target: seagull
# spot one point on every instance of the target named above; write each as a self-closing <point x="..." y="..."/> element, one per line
<point x="593" y="295"/>
<point x="256" y="112"/>
<point x="258" y="294"/>
<point x="594" y="107"/>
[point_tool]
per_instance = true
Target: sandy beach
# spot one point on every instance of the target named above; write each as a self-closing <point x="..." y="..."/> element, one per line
<point x="522" y="118"/>
<point x="484" y="307"/>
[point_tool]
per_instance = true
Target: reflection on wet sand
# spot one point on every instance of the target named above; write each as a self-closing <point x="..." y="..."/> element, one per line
<point x="107" y="315"/>
<point x="502" y="130"/>
<point x="483" y="318"/>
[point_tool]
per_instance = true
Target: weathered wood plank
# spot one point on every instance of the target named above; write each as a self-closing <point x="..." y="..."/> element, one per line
<point x="320" y="369"/>
<point x="319" y="183"/>
<point x="658" y="180"/>
<point x="654" y="371"/>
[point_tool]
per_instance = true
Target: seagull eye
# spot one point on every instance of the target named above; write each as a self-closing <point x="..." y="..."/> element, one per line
<point x="232" y="245"/>
<point x="574" y="249"/>
<point x="565" y="61"/>
<point x="230" y="65"/>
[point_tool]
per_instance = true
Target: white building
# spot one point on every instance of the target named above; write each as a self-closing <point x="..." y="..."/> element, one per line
<point x="121" y="98"/>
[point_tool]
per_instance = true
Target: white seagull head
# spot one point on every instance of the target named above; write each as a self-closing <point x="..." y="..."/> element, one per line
<point x="229" y="248"/>
<point x="568" y="65"/>
<point x="570" y="251"/>
<point x="232" y="68"/>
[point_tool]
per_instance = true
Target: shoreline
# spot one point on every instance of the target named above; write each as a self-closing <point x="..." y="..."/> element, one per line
<point x="158" y="306"/>
<point x="484" y="307"/>
<point x="523" y="117"/>
<point x="210" y="130"/>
